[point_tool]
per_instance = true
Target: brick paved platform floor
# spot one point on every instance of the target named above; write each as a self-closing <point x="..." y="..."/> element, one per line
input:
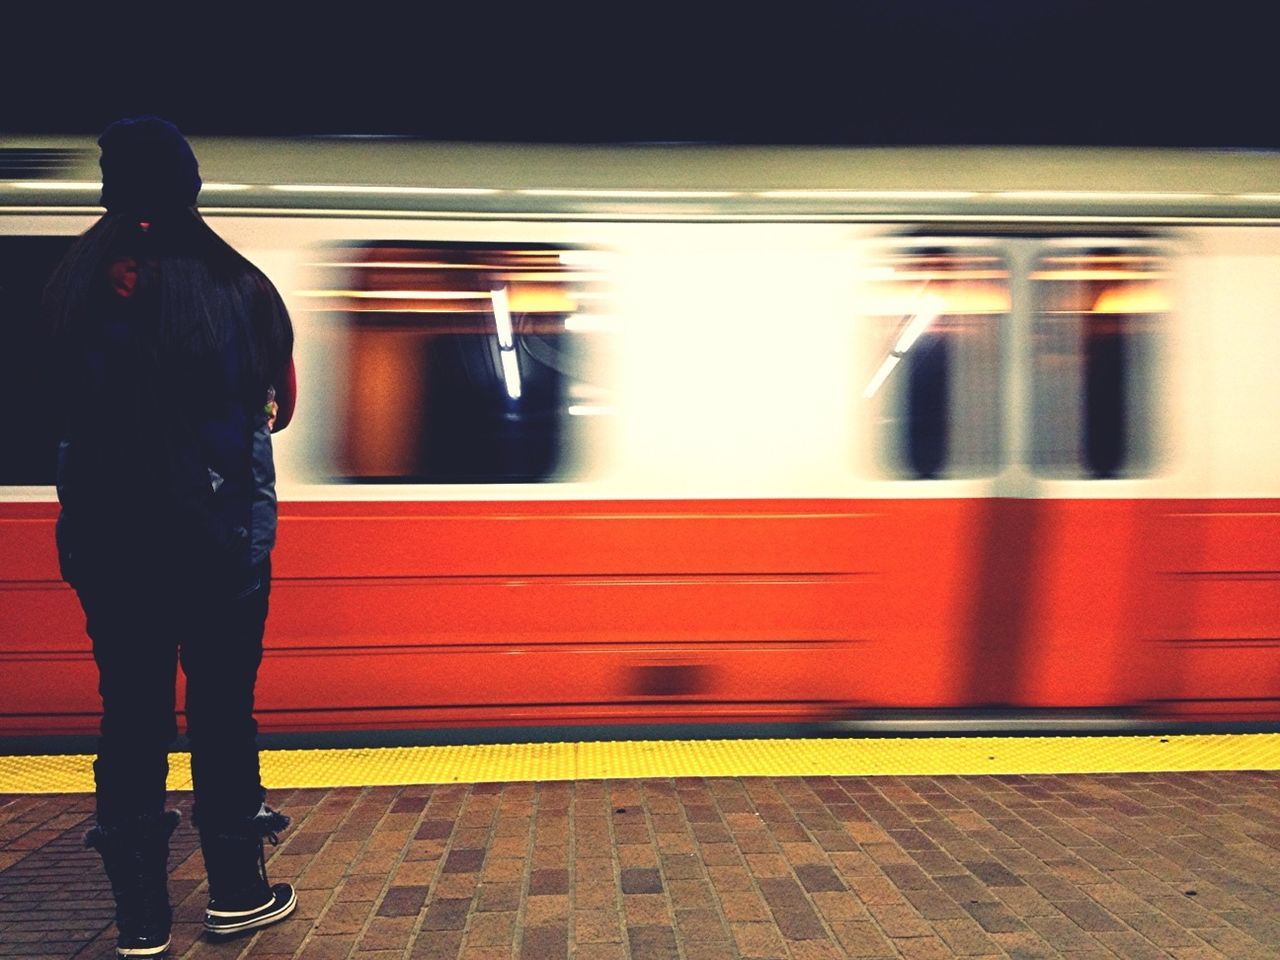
<point x="1180" y="865"/>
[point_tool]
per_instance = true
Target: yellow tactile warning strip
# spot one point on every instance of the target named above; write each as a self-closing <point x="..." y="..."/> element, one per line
<point x="938" y="756"/>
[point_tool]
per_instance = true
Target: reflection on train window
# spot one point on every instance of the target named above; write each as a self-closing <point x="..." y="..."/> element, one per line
<point x="1093" y="341"/>
<point x="27" y="410"/>
<point x="471" y="362"/>
<point x="934" y="382"/>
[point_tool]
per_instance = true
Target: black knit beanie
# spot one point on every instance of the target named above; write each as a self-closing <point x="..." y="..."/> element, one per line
<point x="147" y="167"/>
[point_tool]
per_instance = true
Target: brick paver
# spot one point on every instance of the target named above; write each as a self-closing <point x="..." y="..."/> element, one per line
<point x="1183" y="866"/>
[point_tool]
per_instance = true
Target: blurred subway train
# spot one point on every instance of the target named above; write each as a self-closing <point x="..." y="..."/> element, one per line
<point x="664" y="434"/>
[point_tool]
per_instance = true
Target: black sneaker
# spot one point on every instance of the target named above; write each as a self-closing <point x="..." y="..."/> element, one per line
<point x="225" y="919"/>
<point x="140" y="946"/>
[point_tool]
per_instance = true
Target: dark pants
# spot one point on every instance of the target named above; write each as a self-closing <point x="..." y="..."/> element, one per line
<point x="139" y="636"/>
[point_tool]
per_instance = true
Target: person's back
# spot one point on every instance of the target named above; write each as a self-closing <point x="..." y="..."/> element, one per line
<point x="166" y="439"/>
<point x="170" y="346"/>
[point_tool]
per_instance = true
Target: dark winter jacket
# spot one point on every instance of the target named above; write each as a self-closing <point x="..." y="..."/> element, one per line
<point x="164" y="475"/>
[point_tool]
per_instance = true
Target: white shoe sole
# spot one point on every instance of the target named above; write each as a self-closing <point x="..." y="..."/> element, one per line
<point x="126" y="952"/>
<point x="260" y="920"/>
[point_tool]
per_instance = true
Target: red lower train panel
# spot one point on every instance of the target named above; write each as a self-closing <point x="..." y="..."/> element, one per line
<point x="400" y="615"/>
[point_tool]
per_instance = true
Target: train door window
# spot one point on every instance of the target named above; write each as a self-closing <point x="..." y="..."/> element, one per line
<point x="934" y="380"/>
<point x="28" y="431"/>
<point x="1099" y="308"/>
<point x="470" y="362"/>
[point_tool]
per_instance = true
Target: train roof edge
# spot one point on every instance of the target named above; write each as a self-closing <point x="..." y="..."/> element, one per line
<point x="339" y="174"/>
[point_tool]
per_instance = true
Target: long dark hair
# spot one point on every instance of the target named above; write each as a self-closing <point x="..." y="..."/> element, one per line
<point x="195" y="295"/>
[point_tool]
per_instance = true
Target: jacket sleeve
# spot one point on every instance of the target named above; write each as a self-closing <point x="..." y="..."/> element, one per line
<point x="286" y="397"/>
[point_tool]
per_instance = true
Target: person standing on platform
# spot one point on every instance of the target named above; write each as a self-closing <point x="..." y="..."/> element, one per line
<point x="175" y="365"/>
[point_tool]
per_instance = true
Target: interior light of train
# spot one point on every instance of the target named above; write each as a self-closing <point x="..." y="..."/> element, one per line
<point x="397" y="264"/>
<point x="502" y="317"/>
<point x="1132" y="300"/>
<point x="591" y="410"/>
<point x="917" y="325"/>
<point x="955" y="300"/>
<point x="538" y="298"/>
<point x="1091" y="275"/>
<point x="881" y="375"/>
<point x="1115" y="262"/>
<point x="591" y="323"/>
<point x="397" y="294"/>
<point x="510" y="372"/>
<point x="365" y="188"/>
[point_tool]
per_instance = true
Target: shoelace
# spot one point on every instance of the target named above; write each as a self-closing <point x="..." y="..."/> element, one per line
<point x="274" y="821"/>
<point x="262" y="856"/>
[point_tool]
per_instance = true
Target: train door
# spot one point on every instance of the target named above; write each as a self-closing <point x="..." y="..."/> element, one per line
<point x="1013" y="394"/>
<point x="1062" y="615"/>
<point x="933" y="388"/>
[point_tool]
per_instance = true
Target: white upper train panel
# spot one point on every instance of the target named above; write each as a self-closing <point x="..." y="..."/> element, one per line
<point x="669" y="323"/>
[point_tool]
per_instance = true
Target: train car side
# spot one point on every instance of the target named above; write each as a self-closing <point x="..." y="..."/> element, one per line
<point x="697" y="465"/>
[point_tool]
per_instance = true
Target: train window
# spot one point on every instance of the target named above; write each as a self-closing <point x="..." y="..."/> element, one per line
<point x="470" y="362"/>
<point x="1098" y="310"/>
<point x="28" y="431"/>
<point x="937" y="315"/>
